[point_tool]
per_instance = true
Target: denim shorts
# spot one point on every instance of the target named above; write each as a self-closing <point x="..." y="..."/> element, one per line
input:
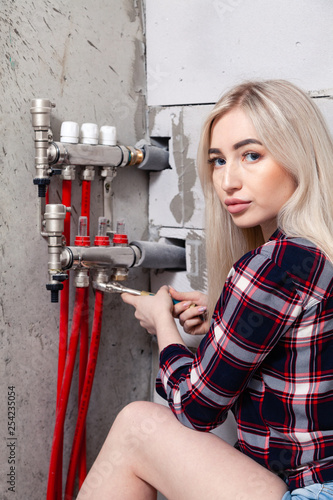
<point x="315" y="491"/>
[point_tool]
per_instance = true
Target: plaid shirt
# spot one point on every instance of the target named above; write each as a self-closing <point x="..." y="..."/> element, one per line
<point x="268" y="357"/>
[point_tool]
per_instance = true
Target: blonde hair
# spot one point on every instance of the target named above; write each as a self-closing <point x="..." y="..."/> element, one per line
<point x="294" y="132"/>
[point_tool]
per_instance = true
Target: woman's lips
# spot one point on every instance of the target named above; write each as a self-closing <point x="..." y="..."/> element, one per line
<point x="235" y="206"/>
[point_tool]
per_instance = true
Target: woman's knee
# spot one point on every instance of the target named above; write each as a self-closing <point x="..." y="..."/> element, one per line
<point x="134" y="432"/>
<point x="141" y="418"/>
<point x="137" y="421"/>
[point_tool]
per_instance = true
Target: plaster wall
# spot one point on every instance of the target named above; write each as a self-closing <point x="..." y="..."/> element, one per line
<point x="195" y="51"/>
<point x="88" y="58"/>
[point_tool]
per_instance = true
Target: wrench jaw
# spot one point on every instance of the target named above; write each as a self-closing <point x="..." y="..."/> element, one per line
<point x="114" y="287"/>
<point x="99" y="286"/>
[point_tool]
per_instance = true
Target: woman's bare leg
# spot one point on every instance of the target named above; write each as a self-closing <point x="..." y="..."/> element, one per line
<point x="147" y="450"/>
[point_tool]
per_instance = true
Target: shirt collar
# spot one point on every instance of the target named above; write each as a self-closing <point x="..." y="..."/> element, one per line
<point x="277" y="235"/>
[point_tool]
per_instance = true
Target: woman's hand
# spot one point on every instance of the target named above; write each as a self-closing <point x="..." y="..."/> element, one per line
<point x="191" y="311"/>
<point x="155" y="315"/>
<point x="151" y="310"/>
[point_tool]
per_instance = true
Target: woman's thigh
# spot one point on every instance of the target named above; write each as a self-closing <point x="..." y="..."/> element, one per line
<point x="186" y="464"/>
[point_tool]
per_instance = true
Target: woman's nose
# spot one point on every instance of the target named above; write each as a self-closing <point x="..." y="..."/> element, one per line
<point x="231" y="177"/>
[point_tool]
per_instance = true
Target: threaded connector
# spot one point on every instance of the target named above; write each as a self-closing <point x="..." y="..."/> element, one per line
<point x="54" y="289"/>
<point x="41" y="183"/>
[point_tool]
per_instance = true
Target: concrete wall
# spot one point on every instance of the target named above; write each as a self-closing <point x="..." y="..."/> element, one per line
<point x="88" y="58"/>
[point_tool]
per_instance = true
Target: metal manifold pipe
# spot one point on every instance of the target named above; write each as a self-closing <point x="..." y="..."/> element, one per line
<point x="98" y="257"/>
<point x="150" y="255"/>
<point x="146" y="157"/>
<point x="94" y="155"/>
<point x="64" y="154"/>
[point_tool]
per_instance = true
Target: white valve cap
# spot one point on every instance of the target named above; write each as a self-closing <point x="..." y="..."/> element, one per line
<point x="69" y="132"/>
<point x="89" y="133"/>
<point x="108" y="135"/>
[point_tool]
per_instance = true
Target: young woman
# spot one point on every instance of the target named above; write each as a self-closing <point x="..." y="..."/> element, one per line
<point x="265" y="166"/>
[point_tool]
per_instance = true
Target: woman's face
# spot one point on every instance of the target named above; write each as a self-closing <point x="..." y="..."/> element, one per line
<point x="251" y="185"/>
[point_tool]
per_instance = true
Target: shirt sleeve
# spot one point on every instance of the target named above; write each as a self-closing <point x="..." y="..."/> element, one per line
<point x="258" y="305"/>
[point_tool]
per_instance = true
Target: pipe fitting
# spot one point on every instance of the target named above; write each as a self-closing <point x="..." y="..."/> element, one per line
<point x="53" y="219"/>
<point x="108" y="172"/>
<point x="53" y="223"/>
<point x="81" y="278"/>
<point x="41" y="122"/>
<point x="88" y="173"/>
<point x="101" y="277"/>
<point x="119" y="273"/>
<point x="68" y="173"/>
<point x="41" y="113"/>
<point x="136" y="156"/>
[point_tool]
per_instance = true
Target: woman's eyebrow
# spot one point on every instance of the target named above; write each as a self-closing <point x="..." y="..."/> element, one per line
<point x="238" y="145"/>
<point x="213" y="151"/>
<point x="245" y="142"/>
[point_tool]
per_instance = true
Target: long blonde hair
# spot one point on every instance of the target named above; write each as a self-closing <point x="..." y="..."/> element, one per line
<point x="294" y="132"/>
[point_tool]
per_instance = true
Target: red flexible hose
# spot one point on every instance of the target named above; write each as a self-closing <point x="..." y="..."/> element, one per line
<point x="84" y="346"/>
<point x="84" y="334"/>
<point x="63" y="327"/>
<point x="85" y="203"/>
<point x="63" y="338"/>
<point x="64" y="296"/>
<point x="84" y="403"/>
<point x="63" y="334"/>
<point x="64" y="394"/>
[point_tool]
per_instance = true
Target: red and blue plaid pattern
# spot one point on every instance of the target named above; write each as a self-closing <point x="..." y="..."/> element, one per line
<point x="268" y="357"/>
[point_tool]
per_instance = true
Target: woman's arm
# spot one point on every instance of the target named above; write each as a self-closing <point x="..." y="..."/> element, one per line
<point x="258" y="305"/>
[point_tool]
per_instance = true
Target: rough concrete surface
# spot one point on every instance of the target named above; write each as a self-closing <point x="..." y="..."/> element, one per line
<point x="88" y="58"/>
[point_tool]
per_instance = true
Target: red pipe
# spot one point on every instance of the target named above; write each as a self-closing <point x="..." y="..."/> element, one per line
<point x="84" y="403"/>
<point x="63" y="329"/>
<point x="66" y="364"/>
<point x="84" y="346"/>
<point x="84" y="334"/>
<point x="63" y="338"/>
<point x="63" y="325"/>
<point x="85" y="203"/>
<point x="64" y="394"/>
<point x="64" y="296"/>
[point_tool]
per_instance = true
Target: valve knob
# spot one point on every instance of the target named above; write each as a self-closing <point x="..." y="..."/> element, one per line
<point x="89" y="133"/>
<point x="108" y="135"/>
<point x="69" y="132"/>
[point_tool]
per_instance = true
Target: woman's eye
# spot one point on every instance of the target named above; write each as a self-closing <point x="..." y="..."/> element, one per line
<point x="251" y="157"/>
<point x="217" y="162"/>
